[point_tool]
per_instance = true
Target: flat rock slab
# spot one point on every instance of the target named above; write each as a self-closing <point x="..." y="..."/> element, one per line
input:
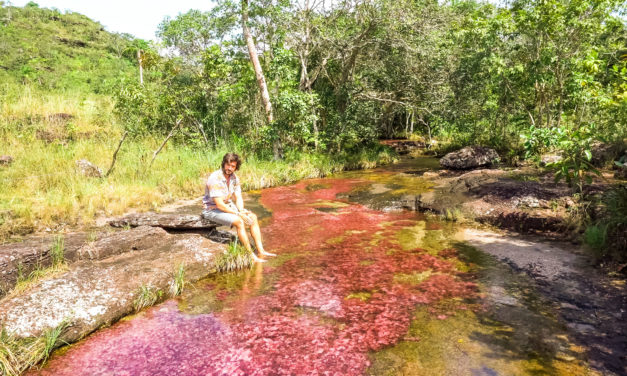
<point x="24" y="257"/>
<point x="592" y="305"/>
<point x="93" y="293"/>
<point x="171" y="221"/>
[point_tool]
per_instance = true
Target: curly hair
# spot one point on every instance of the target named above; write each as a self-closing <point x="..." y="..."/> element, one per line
<point x="231" y="157"/>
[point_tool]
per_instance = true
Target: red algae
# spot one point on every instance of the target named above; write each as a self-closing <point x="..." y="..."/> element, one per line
<point x="307" y="323"/>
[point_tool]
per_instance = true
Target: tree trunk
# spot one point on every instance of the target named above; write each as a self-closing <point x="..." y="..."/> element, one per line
<point x="261" y="80"/>
<point x="141" y="67"/>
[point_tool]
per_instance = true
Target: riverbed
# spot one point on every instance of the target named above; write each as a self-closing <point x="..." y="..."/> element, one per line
<point x="361" y="286"/>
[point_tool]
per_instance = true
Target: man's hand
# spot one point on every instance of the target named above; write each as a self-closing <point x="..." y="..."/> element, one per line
<point x="245" y="217"/>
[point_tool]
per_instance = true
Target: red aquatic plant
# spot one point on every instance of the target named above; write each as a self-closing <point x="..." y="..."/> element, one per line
<point x="330" y="305"/>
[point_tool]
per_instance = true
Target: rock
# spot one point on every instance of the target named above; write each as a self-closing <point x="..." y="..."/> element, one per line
<point x="35" y="253"/>
<point x="602" y="153"/>
<point x="546" y="159"/>
<point x="88" y="169"/>
<point x="92" y="294"/>
<point x="60" y="117"/>
<point x="5" y="160"/>
<point x="621" y="173"/>
<point x="166" y="220"/>
<point x="469" y="157"/>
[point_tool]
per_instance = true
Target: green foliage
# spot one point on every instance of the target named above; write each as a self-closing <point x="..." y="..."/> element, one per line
<point x="595" y="237"/>
<point x="575" y="167"/>
<point x="574" y="146"/>
<point x="612" y="225"/>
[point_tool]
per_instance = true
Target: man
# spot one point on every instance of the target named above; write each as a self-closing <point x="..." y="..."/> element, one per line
<point x="224" y="204"/>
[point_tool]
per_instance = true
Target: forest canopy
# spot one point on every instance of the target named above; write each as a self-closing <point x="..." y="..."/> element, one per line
<point x="343" y="73"/>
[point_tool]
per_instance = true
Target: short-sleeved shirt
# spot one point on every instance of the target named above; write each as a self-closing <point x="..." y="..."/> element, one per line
<point x="217" y="187"/>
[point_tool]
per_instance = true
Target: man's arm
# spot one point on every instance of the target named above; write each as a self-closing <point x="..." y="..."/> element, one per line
<point x="222" y="206"/>
<point x="239" y="202"/>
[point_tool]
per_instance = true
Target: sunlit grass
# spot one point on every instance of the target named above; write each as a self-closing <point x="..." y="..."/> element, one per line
<point x="19" y="354"/>
<point x="43" y="188"/>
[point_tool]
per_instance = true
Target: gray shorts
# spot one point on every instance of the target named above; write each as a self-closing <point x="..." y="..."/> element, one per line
<point x="219" y="216"/>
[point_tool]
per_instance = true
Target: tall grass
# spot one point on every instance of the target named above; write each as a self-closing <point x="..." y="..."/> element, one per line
<point x="43" y="188"/>
<point x="19" y="354"/>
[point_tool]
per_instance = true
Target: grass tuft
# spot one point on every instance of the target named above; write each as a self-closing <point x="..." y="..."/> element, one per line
<point x="57" y="252"/>
<point x="19" y="354"/>
<point x="146" y="296"/>
<point x="178" y="282"/>
<point x="234" y="258"/>
<point x="453" y="215"/>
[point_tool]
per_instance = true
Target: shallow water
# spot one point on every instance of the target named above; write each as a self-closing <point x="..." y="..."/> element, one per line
<point x="360" y="287"/>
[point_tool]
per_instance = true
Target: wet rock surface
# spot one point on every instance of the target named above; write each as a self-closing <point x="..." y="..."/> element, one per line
<point x="104" y="287"/>
<point x="469" y="157"/>
<point x="174" y="221"/>
<point x="592" y="305"/>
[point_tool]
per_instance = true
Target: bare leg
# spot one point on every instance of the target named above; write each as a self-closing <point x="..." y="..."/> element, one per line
<point x="256" y="233"/>
<point x="243" y="237"/>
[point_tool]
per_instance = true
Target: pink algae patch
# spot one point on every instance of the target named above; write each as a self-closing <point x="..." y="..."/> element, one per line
<point x="306" y="324"/>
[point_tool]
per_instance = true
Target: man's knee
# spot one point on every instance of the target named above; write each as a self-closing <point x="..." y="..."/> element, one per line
<point x="239" y="223"/>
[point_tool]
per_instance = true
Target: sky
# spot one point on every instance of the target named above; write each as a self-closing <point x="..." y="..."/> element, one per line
<point x="137" y="17"/>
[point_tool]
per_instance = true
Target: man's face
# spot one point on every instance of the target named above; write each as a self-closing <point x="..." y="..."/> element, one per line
<point x="229" y="168"/>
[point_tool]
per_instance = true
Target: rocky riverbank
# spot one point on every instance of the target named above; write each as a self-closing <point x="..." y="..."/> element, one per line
<point x="80" y="282"/>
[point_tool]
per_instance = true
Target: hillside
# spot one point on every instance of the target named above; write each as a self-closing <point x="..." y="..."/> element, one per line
<point x="56" y="50"/>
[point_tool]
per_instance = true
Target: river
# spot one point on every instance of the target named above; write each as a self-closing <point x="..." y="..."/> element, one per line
<point x="360" y="287"/>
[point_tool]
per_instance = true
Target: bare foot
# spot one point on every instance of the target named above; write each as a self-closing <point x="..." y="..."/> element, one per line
<point x="256" y="258"/>
<point x="266" y="253"/>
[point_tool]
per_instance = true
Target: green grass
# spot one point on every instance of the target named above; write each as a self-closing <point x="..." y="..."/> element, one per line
<point x="19" y="354"/>
<point x="42" y="187"/>
<point x="25" y="281"/>
<point x="146" y="296"/>
<point x="57" y="252"/>
<point x="234" y="258"/>
<point x="453" y="215"/>
<point x="178" y="281"/>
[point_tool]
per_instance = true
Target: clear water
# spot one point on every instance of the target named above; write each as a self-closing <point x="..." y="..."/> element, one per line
<point x="359" y="287"/>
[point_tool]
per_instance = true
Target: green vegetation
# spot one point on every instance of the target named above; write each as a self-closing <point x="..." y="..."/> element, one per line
<point x="146" y="296"/>
<point x="234" y="258"/>
<point x="19" y="354"/>
<point x="607" y="236"/>
<point x="57" y="252"/>
<point x="339" y="76"/>
<point x="178" y="283"/>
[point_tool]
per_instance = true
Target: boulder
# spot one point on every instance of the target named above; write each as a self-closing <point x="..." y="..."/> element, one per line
<point x="95" y="293"/>
<point x="170" y="221"/>
<point x="546" y="159"/>
<point x="5" y="160"/>
<point x="469" y="157"/>
<point x="602" y="153"/>
<point x="86" y="168"/>
<point x="621" y="173"/>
